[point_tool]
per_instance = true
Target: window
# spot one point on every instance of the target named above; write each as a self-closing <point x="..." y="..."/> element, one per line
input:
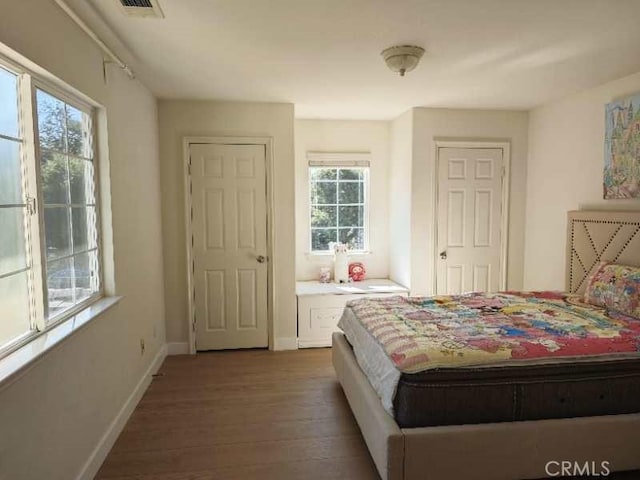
<point x="338" y="207"/>
<point x="15" y="267"/>
<point x="68" y="195"/>
<point x="49" y="245"/>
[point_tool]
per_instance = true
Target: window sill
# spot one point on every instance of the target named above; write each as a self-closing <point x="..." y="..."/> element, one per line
<point x="330" y="254"/>
<point x="20" y="360"/>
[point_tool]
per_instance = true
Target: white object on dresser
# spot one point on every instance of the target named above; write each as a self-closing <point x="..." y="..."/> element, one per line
<point x="320" y="306"/>
<point x="340" y="264"/>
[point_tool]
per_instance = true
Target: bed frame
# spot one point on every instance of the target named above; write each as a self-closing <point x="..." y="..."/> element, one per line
<point x="599" y="236"/>
<point x="513" y="450"/>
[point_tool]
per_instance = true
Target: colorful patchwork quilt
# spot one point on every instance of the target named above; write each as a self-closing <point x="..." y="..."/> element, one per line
<point x="422" y="333"/>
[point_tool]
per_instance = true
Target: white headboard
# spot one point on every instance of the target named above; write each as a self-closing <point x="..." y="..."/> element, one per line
<point x="594" y="236"/>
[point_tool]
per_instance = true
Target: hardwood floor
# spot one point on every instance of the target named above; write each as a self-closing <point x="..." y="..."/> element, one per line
<point x="239" y="415"/>
<point x="242" y="415"/>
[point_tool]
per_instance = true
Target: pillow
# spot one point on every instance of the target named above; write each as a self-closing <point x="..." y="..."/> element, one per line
<point x="616" y="287"/>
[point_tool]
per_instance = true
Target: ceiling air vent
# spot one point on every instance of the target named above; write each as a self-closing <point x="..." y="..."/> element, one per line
<point x="141" y="8"/>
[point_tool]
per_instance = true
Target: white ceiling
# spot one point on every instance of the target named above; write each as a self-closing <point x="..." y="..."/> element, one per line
<point x="324" y="55"/>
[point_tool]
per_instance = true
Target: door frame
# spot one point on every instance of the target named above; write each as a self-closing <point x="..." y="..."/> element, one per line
<point x="267" y="142"/>
<point x="506" y="187"/>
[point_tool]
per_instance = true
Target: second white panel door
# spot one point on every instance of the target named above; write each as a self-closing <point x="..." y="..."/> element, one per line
<point x="470" y="182"/>
<point x="229" y="223"/>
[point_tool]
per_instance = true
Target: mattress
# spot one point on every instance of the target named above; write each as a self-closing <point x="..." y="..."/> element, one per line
<point x="585" y="380"/>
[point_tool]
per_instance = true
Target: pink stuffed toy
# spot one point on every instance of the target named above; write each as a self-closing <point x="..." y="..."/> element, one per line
<point x="356" y="271"/>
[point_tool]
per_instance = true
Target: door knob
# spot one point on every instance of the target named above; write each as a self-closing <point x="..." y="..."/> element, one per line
<point x="443" y="255"/>
<point x="261" y="258"/>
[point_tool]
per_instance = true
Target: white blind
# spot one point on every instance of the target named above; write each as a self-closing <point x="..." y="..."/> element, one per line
<point x="339" y="159"/>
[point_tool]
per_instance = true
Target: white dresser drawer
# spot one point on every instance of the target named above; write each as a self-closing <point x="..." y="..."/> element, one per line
<point x="322" y="318"/>
<point x="319" y="313"/>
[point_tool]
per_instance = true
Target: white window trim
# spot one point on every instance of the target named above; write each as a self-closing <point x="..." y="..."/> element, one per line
<point x="340" y="160"/>
<point x="35" y="343"/>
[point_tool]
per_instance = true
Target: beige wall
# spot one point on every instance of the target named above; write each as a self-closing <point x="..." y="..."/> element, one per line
<point x="566" y="159"/>
<point x="429" y="125"/>
<point x="53" y="416"/>
<point x="400" y="206"/>
<point x="344" y="136"/>
<point x="178" y="119"/>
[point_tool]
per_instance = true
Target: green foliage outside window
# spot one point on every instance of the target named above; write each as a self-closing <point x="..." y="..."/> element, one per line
<point x="338" y="207"/>
<point x="68" y="189"/>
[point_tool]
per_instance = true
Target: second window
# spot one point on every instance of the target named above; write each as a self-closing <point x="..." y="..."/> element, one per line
<point x="338" y="207"/>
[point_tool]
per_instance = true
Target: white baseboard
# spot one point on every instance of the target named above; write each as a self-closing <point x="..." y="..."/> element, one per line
<point x="285" y="343"/>
<point x="313" y="343"/>
<point x="97" y="457"/>
<point x="178" y="348"/>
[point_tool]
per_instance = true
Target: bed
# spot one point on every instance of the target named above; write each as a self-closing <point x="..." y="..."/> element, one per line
<point x="512" y="428"/>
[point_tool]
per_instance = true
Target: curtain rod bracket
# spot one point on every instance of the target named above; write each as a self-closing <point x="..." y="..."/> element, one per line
<point x="125" y="68"/>
<point x="112" y="57"/>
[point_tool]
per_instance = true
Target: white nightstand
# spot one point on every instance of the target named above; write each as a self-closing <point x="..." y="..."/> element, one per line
<point x="320" y="306"/>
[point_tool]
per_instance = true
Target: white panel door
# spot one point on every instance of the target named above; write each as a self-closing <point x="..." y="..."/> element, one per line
<point x="469" y="219"/>
<point x="229" y="224"/>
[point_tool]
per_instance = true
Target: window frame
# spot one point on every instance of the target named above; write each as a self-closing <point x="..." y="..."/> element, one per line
<point x="366" y="168"/>
<point x="29" y="193"/>
<point x="28" y="82"/>
<point x="46" y="87"/>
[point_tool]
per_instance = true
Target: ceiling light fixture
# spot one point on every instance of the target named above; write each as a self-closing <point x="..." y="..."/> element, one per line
<point x="402" y="58"/>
